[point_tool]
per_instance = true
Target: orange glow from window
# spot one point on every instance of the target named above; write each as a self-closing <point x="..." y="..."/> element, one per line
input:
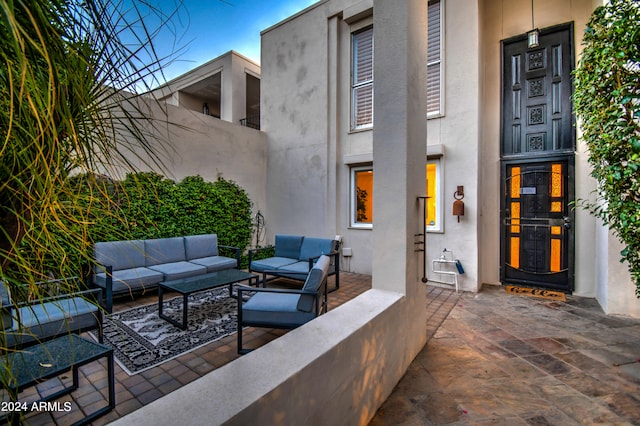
<point x="515" y="217"/>
<point x="556" y="248"/>
<point x="431" y="194"/>
<point x="515" y="252"/>
<point x="364" y="196"/>
<point x="515" y="182"/>
<point x="556" y="230"/>
<point x="556" y="180"/>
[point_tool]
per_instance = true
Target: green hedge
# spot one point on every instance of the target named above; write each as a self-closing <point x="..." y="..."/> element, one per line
<point x="142" y="206"/>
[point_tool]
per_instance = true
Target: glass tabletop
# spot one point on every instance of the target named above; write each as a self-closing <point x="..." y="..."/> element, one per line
<point x="206" y="281"/>
<point x="48" y="359"/>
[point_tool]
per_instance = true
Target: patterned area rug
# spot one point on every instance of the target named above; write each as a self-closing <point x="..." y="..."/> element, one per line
<point x="142" y="340"/>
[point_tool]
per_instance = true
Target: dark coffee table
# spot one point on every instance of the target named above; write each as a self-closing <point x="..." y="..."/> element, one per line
<point x="47" y="360"/>
<point x="187" y="286"/>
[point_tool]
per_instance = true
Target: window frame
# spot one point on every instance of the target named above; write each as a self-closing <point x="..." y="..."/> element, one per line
<point x="439" y="63"/>
<point x="361" y="84"/>
<point x="353" y="223"/>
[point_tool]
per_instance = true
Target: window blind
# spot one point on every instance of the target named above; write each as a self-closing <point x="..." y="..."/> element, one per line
<point x="434" y="59"/>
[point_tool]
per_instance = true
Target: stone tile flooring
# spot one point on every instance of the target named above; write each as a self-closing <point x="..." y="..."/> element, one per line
<point x="501" y="359"/>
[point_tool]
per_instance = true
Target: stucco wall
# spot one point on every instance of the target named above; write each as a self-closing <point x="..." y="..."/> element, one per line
<point x="458" y="130"/>
<point x="301" y="168"/>
<point x="189" y="143"/>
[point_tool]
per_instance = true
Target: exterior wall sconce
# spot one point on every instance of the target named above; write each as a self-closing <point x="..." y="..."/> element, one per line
<point x="533" y="38"/>
<point x="458" y="204"/>
<point x="205" y="109"/>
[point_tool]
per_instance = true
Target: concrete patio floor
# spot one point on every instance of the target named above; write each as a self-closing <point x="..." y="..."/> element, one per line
<point x="491" y="358"/>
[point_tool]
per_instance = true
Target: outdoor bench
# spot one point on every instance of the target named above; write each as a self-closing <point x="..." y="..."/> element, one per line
<point x="294" y="257"/>
<point x="125" y="267"/>
<point x="26" y="324"/>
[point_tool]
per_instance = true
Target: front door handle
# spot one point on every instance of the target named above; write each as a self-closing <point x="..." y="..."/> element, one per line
<point x="567" y="222"/>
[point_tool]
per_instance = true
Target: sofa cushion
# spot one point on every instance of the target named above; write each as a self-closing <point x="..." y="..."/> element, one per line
<point x="178" y="270"/>
<point x="316" y="276"/>
<point x="130" y="279"/>
<point x="269" y="309"/>
<point x="46" y="320"/>
<point x="216" y="263"/>
<point x="200" y="246"/>
<point x="272" y="263"/>
<point x="314" y="247"/>
<point x="164" y="250"/>
<point x="288" y="246"/>
<point x="120" y="254"/>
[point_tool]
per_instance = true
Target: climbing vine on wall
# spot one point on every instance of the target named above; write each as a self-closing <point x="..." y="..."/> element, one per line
<point x="607" y="102"/>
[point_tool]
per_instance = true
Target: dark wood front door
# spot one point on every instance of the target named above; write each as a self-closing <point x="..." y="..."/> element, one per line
<point x="537" y="157"/>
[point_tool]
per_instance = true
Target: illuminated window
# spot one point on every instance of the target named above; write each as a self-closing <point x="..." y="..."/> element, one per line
<point x="362" y="79"/>
<point x="434" y="59"/>
<point x="434" y="196"/>
<point x="362" y="197"/>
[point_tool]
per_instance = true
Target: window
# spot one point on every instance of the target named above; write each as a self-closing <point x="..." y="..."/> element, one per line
<point x="362" y="197"/>
<point x="434" y="196"/>
<point x="362" y="79"/>
<point x="434" y="60"/>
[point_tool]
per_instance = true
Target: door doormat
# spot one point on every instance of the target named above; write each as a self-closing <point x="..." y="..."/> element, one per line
<point x="537" y="292"/>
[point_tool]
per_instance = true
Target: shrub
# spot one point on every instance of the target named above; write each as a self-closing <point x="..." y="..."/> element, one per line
<point x="607" y="101"/>
<point x="142" y="206"/>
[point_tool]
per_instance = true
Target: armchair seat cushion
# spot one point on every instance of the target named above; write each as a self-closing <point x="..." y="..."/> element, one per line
<point x="40" y="321"/>
<point x="216" y="263"/>
<point x="126" y="279"/>
<point x="298" y="270"/>
<point x="272" y="263"/>
<point x="177" y="270"/>
<point x="274" y="309"/>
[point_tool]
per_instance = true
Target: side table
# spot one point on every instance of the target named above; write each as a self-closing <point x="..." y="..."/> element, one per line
<point x="35" y="364"/>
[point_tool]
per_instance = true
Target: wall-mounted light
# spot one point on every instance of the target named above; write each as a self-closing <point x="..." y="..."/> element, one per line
<point x="533" y="36"/>
<point x="205" y="109"/>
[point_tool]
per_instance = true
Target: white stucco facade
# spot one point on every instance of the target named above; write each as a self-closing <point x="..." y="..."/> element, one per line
<point x="306" y="115"/>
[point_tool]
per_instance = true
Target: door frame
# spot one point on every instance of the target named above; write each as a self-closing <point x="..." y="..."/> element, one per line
<point x="569" y="159"/>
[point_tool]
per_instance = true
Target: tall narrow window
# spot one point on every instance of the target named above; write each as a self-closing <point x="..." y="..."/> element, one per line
<point x="362" y="197"/>
<point x="434" y="196"/>
<point x="434" y="60"/>
<point x="362" y="79"/>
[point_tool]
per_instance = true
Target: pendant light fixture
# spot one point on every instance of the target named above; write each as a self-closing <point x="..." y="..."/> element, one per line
<point x="533" y="36"/>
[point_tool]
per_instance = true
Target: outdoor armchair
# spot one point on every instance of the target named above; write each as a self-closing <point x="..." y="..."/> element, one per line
<point x="284" y="308"/>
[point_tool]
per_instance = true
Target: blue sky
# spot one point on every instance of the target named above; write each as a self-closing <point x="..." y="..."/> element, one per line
<point x="209" y="28"/>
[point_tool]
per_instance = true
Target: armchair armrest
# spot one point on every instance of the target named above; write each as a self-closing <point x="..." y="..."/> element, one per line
<point x="108" y="269"/>
<point x="236" y="251"/>
<point x="335" y="263"/>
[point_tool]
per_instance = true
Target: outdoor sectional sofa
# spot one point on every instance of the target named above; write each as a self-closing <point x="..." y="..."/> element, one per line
<point x="125" y="267"/>
<point x="26" y="324"/>
<point x="294" y="256"/>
